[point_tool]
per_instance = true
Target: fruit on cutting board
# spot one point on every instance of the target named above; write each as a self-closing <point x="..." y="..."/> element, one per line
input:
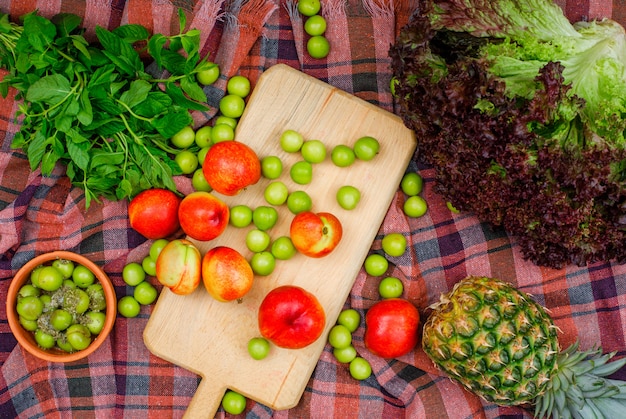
<point x="291" y="317"/>
<point x="231" y="166"/>
<point x="153" y="213"/>
<point x="503" y="346"/>
<point x="391" y="328"/>
<point x="315" y="234"/>
<point x="203" y="216"/>
<point x="226" y="274"/>
<point x="178" y="266"/>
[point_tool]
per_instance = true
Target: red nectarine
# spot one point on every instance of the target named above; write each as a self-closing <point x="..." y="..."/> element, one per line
<point x="153" y="213"/>
<point x="315" y="235"/>
<point x="230" y="166"/>
<point x="226" y="274"/>
<point x="291" y="317"/>
<point x="203" y="216"/>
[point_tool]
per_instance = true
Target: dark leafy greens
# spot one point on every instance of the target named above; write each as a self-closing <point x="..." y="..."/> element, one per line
<point x="95" y="107"/>
<point x="522" y="115"/>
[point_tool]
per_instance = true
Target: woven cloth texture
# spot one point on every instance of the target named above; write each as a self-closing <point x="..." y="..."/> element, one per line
<point x="124" y="380"/>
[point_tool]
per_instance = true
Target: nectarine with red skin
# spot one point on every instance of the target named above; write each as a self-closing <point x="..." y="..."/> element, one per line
<point x="315" y="234"/>
<point x="226" y="274"/>
<point x="231" y="166"/>
<point x="178" y="266"/>
<point x="391" y="328"/>
<point x="291" y="317"/>
<point x="153" y="213"/>
<point x="203" y="216"/>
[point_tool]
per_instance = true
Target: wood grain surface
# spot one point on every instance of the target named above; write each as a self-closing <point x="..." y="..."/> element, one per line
<point x="210" y="337"/>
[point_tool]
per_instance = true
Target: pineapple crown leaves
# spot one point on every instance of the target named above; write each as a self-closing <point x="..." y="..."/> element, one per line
<point x="580" y="389"/>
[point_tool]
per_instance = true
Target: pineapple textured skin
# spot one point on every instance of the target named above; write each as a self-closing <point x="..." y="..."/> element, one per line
<point x="494" y="339"/>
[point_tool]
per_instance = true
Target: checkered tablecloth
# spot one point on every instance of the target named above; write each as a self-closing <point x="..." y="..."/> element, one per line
<point x="124" y="380"/>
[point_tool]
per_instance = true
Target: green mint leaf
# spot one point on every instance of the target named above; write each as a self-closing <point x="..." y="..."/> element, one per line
<point x="72" y="108"/>
<point x="191" y="41"/>
<point x="48" y="161"/>
<point x="106" y="106"/>
<point x="107" y="127"/>
<point x="63" y="123"/>
<point x="4" y="89"/>
<point x="117" y="86"/>
<point x="39" y="33"/>
<point x="36" y="149"/>
<point x="192" y="89"/>
<point x="179" y="98"/>
<point x="24" y="62"/>
<point x="50" y="89"/>
<point x="175" y="44"/>
<point x="155" y="104"/>
<point x="173" y="62"/>
<point x="121" y="62"/>
<point x="156" y="165"/>
<point x="132" y="33"/>
<point x="169" y="124"/>
<point x="121" y="53"/>
<point x="155" y="46"/>
<point x="66" y="23"/>
<point x="191" y="62"/>
<point x="182" y="20"/>
<point x="137" y="93"/>
<point x="124" y="189"/>
<point x="81" y="45"/>
<point x="102" y="76"/>
<point x="85" y="114"/>
<point x="106" y="158"/>
<point x="5" y="24"/>
<point x="79" y="153"/>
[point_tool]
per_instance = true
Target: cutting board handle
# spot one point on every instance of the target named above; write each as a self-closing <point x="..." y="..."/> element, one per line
<point x="206" y="400"/>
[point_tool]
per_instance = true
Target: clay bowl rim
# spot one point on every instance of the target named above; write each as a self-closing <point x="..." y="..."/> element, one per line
<point x="26" y="338"/>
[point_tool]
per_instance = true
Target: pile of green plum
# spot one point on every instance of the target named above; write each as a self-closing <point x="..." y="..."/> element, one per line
<point x="340" y="339"/>
<point x="63" y="305"/>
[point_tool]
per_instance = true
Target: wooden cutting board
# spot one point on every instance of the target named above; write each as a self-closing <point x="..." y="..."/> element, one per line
<point x="210" y="337"/>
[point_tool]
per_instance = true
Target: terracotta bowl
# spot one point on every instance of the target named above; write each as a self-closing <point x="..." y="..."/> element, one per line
<point x="27" y="339"/>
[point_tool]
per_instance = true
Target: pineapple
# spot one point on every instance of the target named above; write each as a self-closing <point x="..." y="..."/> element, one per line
<point x="503" y="346"/>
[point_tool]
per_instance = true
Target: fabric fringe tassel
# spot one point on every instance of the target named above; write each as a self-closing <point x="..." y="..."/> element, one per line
<point x="379" y="8"/>
<point x="206" y="14"/>
<point x="297" y="27"/>
<point x="334" y="9"/>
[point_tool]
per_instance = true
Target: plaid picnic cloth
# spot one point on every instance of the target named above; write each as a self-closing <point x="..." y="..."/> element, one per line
<point x="124" y="380"/>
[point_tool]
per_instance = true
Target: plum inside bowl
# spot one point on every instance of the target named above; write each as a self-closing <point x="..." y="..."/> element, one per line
<point x="26" y="335"/>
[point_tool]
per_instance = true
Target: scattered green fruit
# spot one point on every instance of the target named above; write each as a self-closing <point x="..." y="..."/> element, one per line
<point x="390" y="287"/>
<point x="342" y="155"/>
<point x="348" y="197"/>
<point x="258" y="348"/>
<point x="376" y="264"/>
<point x="411" y="183"/>
<point x="360" y="368"/>
<point x="394" y="244"/>
<point x="415" y="206"/>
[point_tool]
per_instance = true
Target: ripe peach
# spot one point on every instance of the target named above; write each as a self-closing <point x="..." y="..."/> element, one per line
<point x="391" y="328"/>
<point x="291" y="317"/>
<point x="315" y="235"/>
<point x="226" y="274"/>
<point x="178" y="266"/>
<point x="153" y="213"/>
<point x="230" y="166"/>
<point x="203" y="216"/>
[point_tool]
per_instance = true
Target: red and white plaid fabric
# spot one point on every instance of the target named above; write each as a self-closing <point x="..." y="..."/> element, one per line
<point x="123" y="379"/>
